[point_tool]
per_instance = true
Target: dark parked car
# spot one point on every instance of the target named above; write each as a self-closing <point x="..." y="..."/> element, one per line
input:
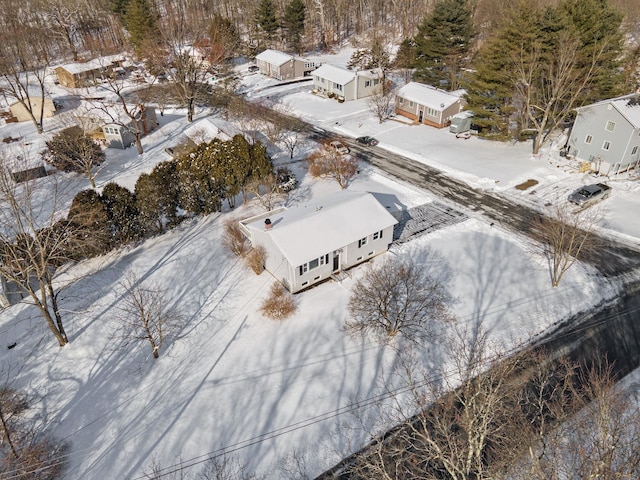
<point x="372" y="142"/>
<point x="590" y="194"/>
<point x="253" y="68"/>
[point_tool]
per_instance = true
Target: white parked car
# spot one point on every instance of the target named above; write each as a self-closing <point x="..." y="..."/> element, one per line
<point x="339" y="147"/>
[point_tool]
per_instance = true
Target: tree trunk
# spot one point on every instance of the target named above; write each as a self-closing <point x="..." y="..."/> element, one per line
<point x="190" y="109"/>
<point x="139" y="143"/>
<point x="56" y="312"/>
<point x="62" y="339"/>
<point x="7" y="435"/>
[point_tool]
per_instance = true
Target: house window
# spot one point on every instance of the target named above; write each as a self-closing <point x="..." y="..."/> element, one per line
<point x="400" y="100"/>
<point x="410" y="103"/>
<point x="324" y="259"/>
<point x="432" y="112"/>
<point x="337" y="87"/>
<point x="588" y="139"/>
<point x="367" y="83"/>
<point x="314" y="264"/>
<point x="303" y="269"/>
<point x="606" y="145"/>
<point x="610" y="126"/>
<point x="362" y="241"/>
<point x="634" y="150"/>
<point x="377" y="235"/>
<point x="376" y="81"/>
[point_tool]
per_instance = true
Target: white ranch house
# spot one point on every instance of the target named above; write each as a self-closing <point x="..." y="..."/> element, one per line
<point x="429" y="105"/>
<point x="283" y="66"/>
<point x="346" y="84"/>
<point x="307" y="243"/>
<point x="606" y="135"/>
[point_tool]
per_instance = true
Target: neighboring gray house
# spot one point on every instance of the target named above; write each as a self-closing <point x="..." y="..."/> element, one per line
<point x="607" y="135"/>
<point x="429" y="105"/>
<point x="307" y="243"/>
<point x="346" y="84"/>
<point x="114" y="129"/>
<point x="283" y="66"/>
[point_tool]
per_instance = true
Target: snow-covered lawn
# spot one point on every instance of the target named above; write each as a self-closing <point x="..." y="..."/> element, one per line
<point x="235" y="381"/>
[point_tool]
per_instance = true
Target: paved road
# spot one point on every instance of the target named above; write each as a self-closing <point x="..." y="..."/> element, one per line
<point x="613" y="258"/>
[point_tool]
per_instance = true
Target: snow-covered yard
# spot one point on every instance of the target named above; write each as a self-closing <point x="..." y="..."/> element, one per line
<point x="234" y="381"/>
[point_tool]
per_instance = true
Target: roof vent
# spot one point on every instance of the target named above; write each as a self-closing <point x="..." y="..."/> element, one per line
<point x="267" y="224"/>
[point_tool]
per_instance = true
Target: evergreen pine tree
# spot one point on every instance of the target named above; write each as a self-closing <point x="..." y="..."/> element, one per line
<point x="156" y="195"/>
<point x="443" y="43"/>
<point x="293" y="24"/>
<point x="122" y="212"/>
<point x="490" y="89"/>
<point x="140" y="21"/>
<point x="266" y="19"/>
<point x="543" y="63"/>
<point x="89" y="214"/>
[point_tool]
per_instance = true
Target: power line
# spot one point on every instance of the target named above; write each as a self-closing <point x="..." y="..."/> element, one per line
<point x="305" y="422"/>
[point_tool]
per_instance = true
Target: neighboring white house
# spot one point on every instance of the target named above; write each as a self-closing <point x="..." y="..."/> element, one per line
<point x="283" y="66"/>
<point x="607" y="135"/>
<point x="204" y="131"/>
<point x="346" y="84"/>
<point x="427" y="104"/>
<point x="307" y="243"/>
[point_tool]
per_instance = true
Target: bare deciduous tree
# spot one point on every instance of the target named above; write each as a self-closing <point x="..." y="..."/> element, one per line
<point x="71" y="150"/>
<point x="26" y="51"/>
<point x="328" y="163"/>
<point x="567" y="236"/>
<point x="380" y="103"/>
<point x="266" y="190"/>
<point x="35" y="241"/>
<point x="129" y="115"/>
<point x="294" y="133"/>
<point x="26" y="451"/>
<point x="400" y="296"/>
<point x="146" y="314"/>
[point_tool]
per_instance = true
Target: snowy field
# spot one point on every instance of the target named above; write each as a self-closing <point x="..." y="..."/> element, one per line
<point x="234" y="381"/>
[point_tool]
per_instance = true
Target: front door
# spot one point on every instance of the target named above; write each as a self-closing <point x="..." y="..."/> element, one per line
<point x="420" y="114"/>
<point x="336" y="261"/>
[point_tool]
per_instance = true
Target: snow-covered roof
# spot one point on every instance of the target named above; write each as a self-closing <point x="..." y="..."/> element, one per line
<point x="325" y="224"/>
<point x="627" y="105"/>
<point x="204" y="131"/>
<point x="274" y="57"/>
<point x="429" y="96"/>
<point x="94" y="64"/>
<point x="335" y="74"/>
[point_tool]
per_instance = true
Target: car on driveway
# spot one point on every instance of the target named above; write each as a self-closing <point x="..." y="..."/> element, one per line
<point x="589" y="194"/>
<point x="253" y="68"/>
<point x="339" y="147"/>
<point x="366" y="140"/>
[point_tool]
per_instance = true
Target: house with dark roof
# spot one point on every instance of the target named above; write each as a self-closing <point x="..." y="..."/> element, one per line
<point x="308" y="243"/>
<point x="606" y="134"/>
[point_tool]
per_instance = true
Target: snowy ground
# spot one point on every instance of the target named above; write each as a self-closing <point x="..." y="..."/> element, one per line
<point x="235" y="381"/>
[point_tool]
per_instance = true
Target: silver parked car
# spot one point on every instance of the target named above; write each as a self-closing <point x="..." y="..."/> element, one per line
<point x="590" y="194"/>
